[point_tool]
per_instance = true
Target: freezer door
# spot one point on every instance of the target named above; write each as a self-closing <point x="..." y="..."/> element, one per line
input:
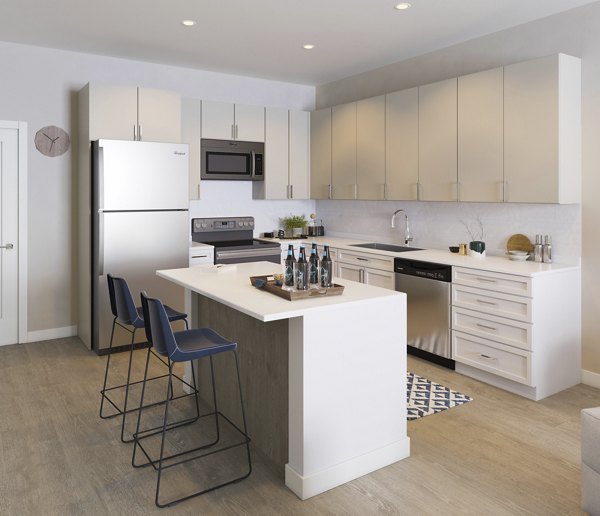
<point x="134" y="245"/>
<point x="139" y="175"/>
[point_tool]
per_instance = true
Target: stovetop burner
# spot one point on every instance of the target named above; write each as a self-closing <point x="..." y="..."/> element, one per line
<point x="228" y="233"/>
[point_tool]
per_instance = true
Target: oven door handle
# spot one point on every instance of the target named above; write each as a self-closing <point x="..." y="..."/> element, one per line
<point x="246" y="253"/>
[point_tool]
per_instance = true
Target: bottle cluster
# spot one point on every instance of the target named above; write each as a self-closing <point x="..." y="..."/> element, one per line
<point x="303" y="273"/>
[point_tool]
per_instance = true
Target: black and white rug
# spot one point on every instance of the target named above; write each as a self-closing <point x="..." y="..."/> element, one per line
<point x="426" y="397"/>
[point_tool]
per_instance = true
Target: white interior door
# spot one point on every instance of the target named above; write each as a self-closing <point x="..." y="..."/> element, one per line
<point x="9" y="228"/>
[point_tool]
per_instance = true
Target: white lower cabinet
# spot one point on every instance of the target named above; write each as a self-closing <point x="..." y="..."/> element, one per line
<point x="369" y="268"/>
<point x="520" y="333"/>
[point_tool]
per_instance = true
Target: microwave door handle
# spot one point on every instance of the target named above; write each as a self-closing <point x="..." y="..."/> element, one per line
<point x="253" y="155"/>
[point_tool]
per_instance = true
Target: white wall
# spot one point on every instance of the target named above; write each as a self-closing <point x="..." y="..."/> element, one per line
<point x="234" y="198"/>
<point x="39" y="86"/>
<point x="574" y="32"/>
<point x="437" y="225"/>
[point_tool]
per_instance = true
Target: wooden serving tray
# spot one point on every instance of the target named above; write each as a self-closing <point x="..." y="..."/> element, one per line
<point x="271" y="287"/>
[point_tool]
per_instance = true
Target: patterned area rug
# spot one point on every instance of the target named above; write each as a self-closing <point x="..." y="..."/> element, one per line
<point x="426" y="397"/>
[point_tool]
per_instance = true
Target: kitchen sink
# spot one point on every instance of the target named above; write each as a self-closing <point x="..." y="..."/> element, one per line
<point x="387" y="247"/>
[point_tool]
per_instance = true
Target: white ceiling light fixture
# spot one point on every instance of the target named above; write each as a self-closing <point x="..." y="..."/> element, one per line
<point x="188" y="23"/>
<point x="402" y="6"/>
<point x="308" y="46"/>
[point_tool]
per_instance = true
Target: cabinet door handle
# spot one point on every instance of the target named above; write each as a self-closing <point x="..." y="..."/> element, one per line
<point x="140" y="132"/>
<point x="232" y="132"/>
<point x="330" y="191"/>
<point x="483" y="302"/>
<point x="236" y="131"/>
<point x="362" y="259"/>
<point x="291" y="191"/>
<point x="7" y="246"/>
<point x="506" y="192"/>
<point x="487" y="327"/>
<point x="134" y="133"/>
<point x="487" y="357"/>
<point x="355" y="191"/>
<point x="487" y="280"/>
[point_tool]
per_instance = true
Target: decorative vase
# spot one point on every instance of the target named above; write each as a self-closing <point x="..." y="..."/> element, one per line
<point x="477" y="249"/>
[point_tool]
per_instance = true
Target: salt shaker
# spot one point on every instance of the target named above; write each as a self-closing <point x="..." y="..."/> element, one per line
<point x="537" y="249"/>
<point x="547" y="249"/>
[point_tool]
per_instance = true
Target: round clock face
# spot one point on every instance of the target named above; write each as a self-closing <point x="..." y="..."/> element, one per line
<point x="52" y="141"/>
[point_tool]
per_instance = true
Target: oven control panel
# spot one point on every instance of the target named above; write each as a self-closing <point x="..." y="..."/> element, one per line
<point x="206" y="225"/>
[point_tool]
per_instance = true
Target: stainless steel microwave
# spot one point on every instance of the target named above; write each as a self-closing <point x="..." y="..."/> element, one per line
<point x="232" y="160"/>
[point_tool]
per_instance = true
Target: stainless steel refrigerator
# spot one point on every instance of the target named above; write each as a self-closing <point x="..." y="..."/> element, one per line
<point x="140" y="224"/>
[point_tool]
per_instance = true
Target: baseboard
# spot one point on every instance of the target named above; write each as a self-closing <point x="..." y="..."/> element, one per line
<point x="307" y="486"/>
<point x="590" y="378"/>
<point x="53" y="333"/>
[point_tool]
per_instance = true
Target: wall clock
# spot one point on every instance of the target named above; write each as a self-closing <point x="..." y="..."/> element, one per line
<point x="52" y="141"/>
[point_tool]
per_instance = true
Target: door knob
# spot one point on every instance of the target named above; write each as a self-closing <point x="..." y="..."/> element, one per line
<point x="7" y="246"/>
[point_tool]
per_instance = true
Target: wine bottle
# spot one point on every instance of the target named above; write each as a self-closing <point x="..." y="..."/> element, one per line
<point x="313" y="267"/>
<point x="301" y="274"/>
<point x="326" y="269"/>
<point x="288" y="269"/>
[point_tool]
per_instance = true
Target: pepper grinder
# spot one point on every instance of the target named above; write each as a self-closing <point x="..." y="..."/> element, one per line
<point x="547" y="250"/>
<point x="537" y="249"/>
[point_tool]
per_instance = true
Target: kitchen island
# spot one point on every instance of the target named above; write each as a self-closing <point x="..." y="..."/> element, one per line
<point x="324" y="378"/>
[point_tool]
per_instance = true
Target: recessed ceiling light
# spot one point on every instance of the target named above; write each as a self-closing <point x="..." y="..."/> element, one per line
<point x="188" y="23"/>
<point x="308" y="46"/>
<point x="402" y="6"/>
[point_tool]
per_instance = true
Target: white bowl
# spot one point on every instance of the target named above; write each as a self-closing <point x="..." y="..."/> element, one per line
<point x="518" y="257"/>
<point x="518" y="253"/>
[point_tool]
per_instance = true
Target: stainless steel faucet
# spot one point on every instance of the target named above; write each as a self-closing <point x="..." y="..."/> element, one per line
<point x="407" y="237"/>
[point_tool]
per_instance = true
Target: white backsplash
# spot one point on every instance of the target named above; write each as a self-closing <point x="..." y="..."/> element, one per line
<point x="440" y="224"/>
<point x="234" y="199"/>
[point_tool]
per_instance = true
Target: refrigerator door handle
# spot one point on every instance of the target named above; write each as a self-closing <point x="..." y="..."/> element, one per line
<point x="100" y="243"/>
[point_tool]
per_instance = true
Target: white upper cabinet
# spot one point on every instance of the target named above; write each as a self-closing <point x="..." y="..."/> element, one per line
<point x="225" y="121"/>
<point x="480" y="136"/>
<point x="320" y="154"/>
<point x="438" y="141"/>
<point x="370" y="148"/>
<point x="542" y="130"/>
<point x="131" y="113"/>
<point x="402" y="145"/>
<point x="299" y="129"/>
<point x="159" y="115"/>
<point x="343" y="151"/>
<point x="286" y="156"/>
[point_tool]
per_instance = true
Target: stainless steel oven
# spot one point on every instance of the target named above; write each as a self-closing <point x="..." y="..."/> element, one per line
<point x="232" y="238"/>
<point x="428" y="290"/>
<point x="223" y="159"/>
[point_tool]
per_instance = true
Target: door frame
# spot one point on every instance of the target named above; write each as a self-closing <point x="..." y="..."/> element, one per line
<point x="21" y="128"/>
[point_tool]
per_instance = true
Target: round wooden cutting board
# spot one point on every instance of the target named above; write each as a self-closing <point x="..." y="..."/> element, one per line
<point x="519" y="242"/>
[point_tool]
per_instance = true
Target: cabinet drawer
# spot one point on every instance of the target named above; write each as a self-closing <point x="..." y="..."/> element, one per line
<point x="497" y="281"/>
<point x="373" y="261"/>
<point x="492" y="357"/>
<point x="506" y="331"/>
<point x="494" y="303"/>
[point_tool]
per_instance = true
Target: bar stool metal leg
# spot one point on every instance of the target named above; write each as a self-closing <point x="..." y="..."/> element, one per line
<point x="103" y="391"/>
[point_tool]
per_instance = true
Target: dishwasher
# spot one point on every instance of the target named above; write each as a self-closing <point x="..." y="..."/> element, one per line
<point x="428" y="289"/>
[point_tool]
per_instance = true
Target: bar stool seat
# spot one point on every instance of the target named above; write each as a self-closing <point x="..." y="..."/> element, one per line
<point x="130" y="318"/>
<point x="183" y="346"/>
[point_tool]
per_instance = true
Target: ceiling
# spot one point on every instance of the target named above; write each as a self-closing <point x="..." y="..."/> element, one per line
<point x="264" y="38"/>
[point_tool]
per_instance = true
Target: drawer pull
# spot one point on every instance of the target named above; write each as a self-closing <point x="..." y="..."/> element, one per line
<point x="486" y="302"/>
<point x="487" y="357"/>
<point x="362" y="259"/>
<point x="487" y="327"/>
<point x="487" y="280"/>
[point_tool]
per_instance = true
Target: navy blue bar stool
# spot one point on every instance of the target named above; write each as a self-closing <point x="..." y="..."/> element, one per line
<point x="184" y="346"/>
<point x="130" y="318"/>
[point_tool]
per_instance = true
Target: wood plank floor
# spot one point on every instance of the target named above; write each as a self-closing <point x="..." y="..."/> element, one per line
<point x="499" y="454"/>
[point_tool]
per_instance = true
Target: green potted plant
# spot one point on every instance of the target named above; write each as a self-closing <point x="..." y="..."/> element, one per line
<point x="294" y="224"/>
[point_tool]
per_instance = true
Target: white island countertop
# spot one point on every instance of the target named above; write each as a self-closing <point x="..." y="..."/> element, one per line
<point x="230" y="285"/>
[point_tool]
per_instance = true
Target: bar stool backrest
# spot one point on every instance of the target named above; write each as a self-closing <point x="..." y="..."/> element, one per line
<point x="161" y="333"/>
<point x="111" y="294"/>
<point x="126" y="310"/>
